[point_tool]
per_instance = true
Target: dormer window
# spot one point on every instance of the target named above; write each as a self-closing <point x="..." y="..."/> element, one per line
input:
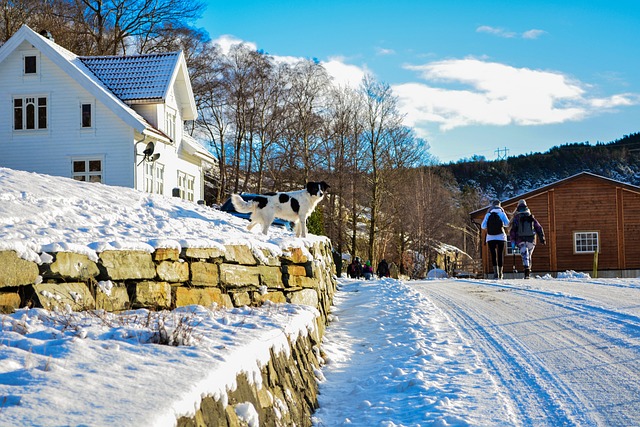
<point x="30" y="65"/>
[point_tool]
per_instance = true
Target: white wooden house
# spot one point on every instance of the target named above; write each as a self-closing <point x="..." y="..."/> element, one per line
<point x="117" y="120"/>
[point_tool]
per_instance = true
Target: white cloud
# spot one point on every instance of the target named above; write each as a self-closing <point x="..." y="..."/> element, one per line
<point x="383" y="52"/>
<point x="501" y="32"/>
<point x="533" y="34"/>
<point x="465" y="92"/>
<point x="345" y="74"/>
<point x="226" y="41"/>
<point x="495" y="31"/>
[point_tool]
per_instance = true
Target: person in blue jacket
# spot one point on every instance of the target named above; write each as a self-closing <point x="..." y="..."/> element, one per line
<point x="524" y="229"/>
<point x="494" y="223"/>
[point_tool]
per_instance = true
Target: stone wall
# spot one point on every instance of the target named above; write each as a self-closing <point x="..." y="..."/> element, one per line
<point x="231" y="276"/>
<point x="287" y="396"/>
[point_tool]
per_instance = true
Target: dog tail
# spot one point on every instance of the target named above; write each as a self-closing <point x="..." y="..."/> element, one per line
<point x="241" y="205"/>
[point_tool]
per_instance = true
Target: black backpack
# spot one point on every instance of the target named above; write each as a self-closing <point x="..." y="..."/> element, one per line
<point x="494" y="224"/>
<point x="525" y="226"/>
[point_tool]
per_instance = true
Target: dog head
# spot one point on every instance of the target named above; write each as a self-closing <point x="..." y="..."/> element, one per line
<point x="317" y="189"/>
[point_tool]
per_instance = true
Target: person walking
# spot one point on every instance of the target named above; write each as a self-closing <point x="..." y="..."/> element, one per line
<point x="524" y="229"/>
<point x="494" y="223"/>
<point x="367" y="270"/>
<point x="383" y="269"/>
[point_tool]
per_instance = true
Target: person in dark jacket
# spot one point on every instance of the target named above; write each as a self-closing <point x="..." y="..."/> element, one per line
<point x="355" y="269"/>
<point x="524" y="230"/>
<point x="383" y="269"/>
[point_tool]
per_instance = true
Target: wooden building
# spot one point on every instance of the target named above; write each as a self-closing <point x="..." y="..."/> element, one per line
<point x="589" y="221"/>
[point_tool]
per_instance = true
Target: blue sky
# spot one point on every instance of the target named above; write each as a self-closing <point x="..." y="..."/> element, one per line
<point x="471" y="76"/>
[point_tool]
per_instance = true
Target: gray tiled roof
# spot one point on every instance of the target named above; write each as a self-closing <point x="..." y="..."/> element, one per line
<point x="134" y="77"/>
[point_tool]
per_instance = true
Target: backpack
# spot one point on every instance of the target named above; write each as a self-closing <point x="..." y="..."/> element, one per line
<point x="494" y="224"/>
<point x="525" y="226"/>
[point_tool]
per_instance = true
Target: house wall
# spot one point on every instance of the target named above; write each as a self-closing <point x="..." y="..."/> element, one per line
<point x="172" y="157"/>
<point x="51" y="151"/>
<point x="586" y="203"/>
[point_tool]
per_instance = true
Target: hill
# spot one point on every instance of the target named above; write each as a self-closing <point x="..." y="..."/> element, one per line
<point x="619" y="160"/>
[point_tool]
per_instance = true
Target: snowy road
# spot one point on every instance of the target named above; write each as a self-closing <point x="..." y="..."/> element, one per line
<point x="565" y="352"/>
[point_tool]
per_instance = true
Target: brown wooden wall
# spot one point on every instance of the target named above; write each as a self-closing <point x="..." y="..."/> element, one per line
<point x="586" y="203"/>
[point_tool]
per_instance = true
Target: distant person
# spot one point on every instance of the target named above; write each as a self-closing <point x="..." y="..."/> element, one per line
<point x="367" y="270"/>
<point x="337" y="260"/>
<point x="495" y="222"/>
<point x="524" y="229"/>
<point x="355" y="269"/>
<point x="383" y="269"/>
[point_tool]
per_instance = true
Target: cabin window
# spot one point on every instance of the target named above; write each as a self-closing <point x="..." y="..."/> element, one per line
<point x="154" y="177"/>
<point x="89" y="170"/>
<point x="86" y="115"/>
<point x="30" y="113"/>
<point x="510" y="250"/>
<point x="30" y="65"/>
<point x="586" y="242"/>
<point x="186" y="184"/>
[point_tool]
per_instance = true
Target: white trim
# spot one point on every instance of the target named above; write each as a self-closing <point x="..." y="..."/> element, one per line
<point x="587" y="240"/>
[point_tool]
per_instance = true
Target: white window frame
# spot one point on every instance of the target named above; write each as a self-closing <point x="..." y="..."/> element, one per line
<point x="27" y="100"/>
<point x="88" y="175"/>
<point x="583" y="242"/>
<point x="154" y="177"/>
<point x="170" y="123"/>
<point x="186" y="184"/>
<point x="26" y="55"/>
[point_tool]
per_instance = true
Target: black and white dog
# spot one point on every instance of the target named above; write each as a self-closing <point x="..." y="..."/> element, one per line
<point x="295" y="206"/>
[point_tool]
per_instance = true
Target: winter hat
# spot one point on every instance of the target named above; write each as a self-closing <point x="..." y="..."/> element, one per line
<point x="522" y="206"/>
<point x="495" y="202"/>
<point x="368" y="263"/>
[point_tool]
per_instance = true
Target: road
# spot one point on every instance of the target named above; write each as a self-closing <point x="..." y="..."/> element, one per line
<point x="564" y="352"/>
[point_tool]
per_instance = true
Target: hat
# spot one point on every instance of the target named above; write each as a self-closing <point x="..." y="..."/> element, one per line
<point x="522" y="206"/>
<point x="495" y="202"/>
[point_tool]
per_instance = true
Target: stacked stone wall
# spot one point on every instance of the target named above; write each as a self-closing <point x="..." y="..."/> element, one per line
<point x="229" y="276"/>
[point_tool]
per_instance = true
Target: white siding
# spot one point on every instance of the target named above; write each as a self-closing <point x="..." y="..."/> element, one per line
<point x="50" y="151"/>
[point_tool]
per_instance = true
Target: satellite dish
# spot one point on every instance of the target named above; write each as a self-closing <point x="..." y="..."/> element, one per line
<point x="148" y="151"/>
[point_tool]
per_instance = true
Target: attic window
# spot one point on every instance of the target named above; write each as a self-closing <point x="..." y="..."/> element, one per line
<point x="30" y="65"/>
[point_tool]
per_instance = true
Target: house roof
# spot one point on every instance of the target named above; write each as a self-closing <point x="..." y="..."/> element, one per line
<point x="136" y="77"/>
<point x="547" y="187"/>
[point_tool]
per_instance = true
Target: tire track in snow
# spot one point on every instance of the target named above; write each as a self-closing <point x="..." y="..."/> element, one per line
<point x="564" y="359"/>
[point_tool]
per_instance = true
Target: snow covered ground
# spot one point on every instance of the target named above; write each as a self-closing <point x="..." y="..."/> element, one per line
<point x="541" y="352"/>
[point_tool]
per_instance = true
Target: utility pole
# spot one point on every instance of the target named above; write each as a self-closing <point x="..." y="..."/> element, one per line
<point x="504" y="152"/>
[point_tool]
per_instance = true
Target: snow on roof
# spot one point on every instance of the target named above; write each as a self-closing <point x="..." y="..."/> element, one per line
<point x="134" y="77"/>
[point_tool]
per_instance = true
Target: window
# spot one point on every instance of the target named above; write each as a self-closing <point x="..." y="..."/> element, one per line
<point x="186" y="184"/>
<point x="30" y="65"/>
<point x="86" y="115"/>
<point x="89" y="170"/>
<point x="154" y="177"/>
<point x="29" y="113"/>
<point x="585" y="242"/>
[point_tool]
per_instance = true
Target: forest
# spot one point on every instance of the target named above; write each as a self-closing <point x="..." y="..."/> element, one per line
<point x="275" y="124"/>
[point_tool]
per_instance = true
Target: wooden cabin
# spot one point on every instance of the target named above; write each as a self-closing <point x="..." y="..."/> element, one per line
<point x="591" y="224"/>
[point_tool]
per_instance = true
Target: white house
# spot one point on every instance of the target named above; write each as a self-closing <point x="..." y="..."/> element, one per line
<point x="117" y="120"/>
